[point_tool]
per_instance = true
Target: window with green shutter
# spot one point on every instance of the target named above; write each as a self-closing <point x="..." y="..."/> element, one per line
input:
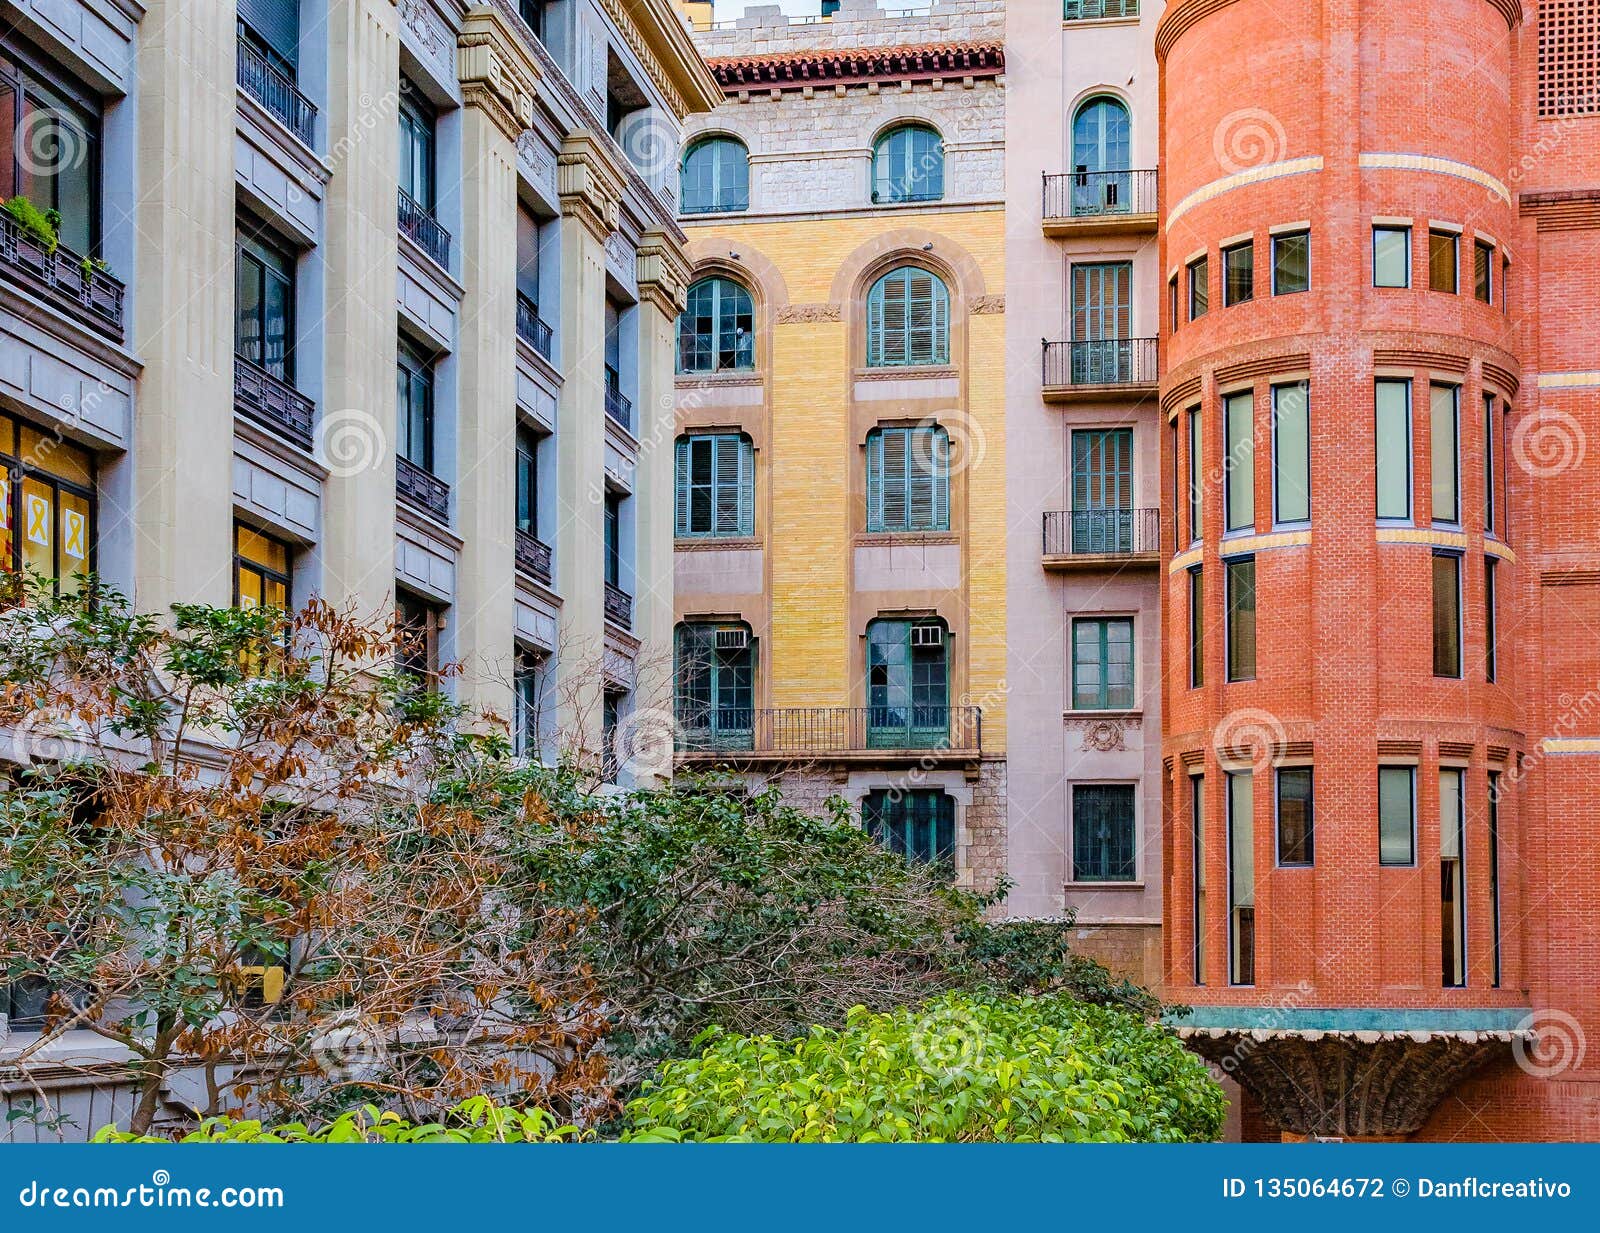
<point x="1102" y="665"/>
<point x="908" y="319"/>
<point x="716" y="486"/>
<point x="717" y="330"/>
<point x="908" y="684"/>
<point x="918" y="823"/>
<point x="715" y="673"/>
<point x="908" y="479"/>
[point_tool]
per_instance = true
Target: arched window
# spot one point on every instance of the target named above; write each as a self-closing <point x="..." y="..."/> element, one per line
<point x="716" y="485"/>
<point x="715" y="675"/>
<point x="716" y="176"/>
<point x="908" y="319"/>
<point x="908" y="479"/>
<point x="1100" y="157"/>
<point x="908" y="165"/>
<point x="717" y="331"/>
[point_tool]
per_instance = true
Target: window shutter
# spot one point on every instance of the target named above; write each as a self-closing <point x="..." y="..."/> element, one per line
<point x="940" y="519"/>
<point x="683" y="486"/>
<point x="875" y="482"/>
<point x="896" y="447"/>
<point x="747" y="488"/>
<point x="895" y="334"/>
<point x="927" y="476"/>
<point x="276" y="21"/>
<point x="726" y="483"/>
<point x="875" y="327"/>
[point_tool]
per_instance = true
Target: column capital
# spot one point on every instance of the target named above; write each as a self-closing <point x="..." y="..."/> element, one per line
<point x="662" y="269"/>
<point x="497" y="73"/>
<point x="589" y="183"/>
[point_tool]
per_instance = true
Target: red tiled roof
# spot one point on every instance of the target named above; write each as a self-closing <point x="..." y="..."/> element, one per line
<point x="797" y="69"/>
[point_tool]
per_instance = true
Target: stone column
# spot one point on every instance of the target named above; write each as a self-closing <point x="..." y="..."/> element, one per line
<point x="498" y="80"/>
<point x="356" y="433"/>
<point x="183" y="307"/>
<point x="591" y="191"/>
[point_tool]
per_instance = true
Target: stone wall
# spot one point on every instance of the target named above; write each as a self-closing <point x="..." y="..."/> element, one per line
<point x="765" y="30"/>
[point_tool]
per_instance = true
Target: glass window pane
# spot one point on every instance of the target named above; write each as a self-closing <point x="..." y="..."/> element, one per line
<point x="1393" y="449"/>
<point x="1197" y="628"/>
<point x="1442" y="261"/>
<point x="1391" y="257"/>
<point x="1242" y="619"/>
<point x="1294" y="816"/>
<point x="1446" y="441"/>
<point x="1241" y="878"/>
<point x="1240" y="460"/>
<point x="39" y="523"/>
<point x="1196" y="478"/>
<point x="1199" y="288"/>
<point x="1396" y="812"/>
<point x="1238" y="274"/>
<point x="1103" y="833"/>
<point x="1291" y="263"/>
<point x="1446" y="615"/>
<point x="1291" y="444"/>
<point x="1482" y="276"/>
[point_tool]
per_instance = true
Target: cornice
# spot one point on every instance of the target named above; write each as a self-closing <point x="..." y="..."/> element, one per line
<point x="589" y="183"/>
<point x="495" y="71"/>
<point x="843" y="66"/>
<point x="657" y="34"/>
<point x="662" y="268"/>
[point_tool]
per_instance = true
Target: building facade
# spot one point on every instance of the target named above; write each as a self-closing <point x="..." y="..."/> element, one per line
<point x="1083" y="454"/>
<point x="1380" y="552"/>
<point x="368" y="299"/>
<point x="841" y="564"/>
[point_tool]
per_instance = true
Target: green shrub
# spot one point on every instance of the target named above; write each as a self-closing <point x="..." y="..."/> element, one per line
<point x="40" y="224"/>
<point x="961" y="1069"/>
<point x="478" y="1120"/>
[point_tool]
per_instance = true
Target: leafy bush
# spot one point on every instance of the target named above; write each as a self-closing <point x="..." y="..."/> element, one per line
<point x="40" y="224"/>
<point x="961" y="1069"/>
<point x="478" y="1120"/>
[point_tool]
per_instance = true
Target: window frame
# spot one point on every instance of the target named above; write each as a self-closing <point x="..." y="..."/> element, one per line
<point x="1455" y="558"/>
<point x="1309" y="843"/>
<point x="1196" y="450"/>
<point x="1239" y="976"/>
<point x="267" y="573"/>
<point x="723" y="199"/>
<point x="270" y="261"/>
<point x="418" y="122"/>
<point x="1232" y="483"/>
<point x="1483" y="254"/>
<point x="1410" y="861"/>
<point x="1231" y="255"/>
<point x="1133" y="864"/>
<point x="1452" y="240"/>
<point x="1453" y="879"/>
<point x="1199" y="275"/>
<point x="1407" y="455"/>
<point x="911" y="729"/>
<point x="20" y="467"/>
<point x="725" y="321"/>
<point x="1303" y="387"/>
<point x="1231" y="634"/>
<point x="717" y="668"/>
<point x="1439" y="482"/>
<point x="1197" y="626"/>
<point x="937" y="353"/>
<point x="418" y="369"/>
<point x="1392" y="229"/>
<point x="1104" y="701"/>
<point x="880" y="827"/>
<point x="1197" y="875"/>
<point x="1278" y="242"/>
<point x="884" y="189"/>
<point x="1491" y="620"/>
<point x="38" y="81"/>
<point x="685" y="485"/>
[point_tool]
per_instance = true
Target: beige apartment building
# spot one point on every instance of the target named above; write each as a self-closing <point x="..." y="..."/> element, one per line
<point x="367" y="299"/>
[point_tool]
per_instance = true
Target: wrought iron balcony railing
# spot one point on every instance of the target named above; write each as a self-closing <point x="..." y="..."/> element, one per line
<point x="421" y="489"/>
<point x="619" y="406"/>
<point x="269" y="87"/>
<point x="533" y="557"/>
<point x="619" y="607"/>
<point x="273" y="402"/>
<point x="533" y="328"/>
<point x="1100" y="362"/>
<point x="1095" y="10"/>
<point x="1102" y="532"/>
<point x="62" y="276"/>
<point x="1102" y="195"/>
<point x="420" y="227"/>
<point x="819" y="731"/>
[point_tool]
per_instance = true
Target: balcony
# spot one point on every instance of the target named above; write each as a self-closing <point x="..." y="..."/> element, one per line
<point x="533" y="329"/>
<point x="619" y="607"/>
<point x="264" y="83"/>
<point x="1090" y="203"/>
<point x="533" y="557"/>
<point x="845" y="733"/>
<point x="62" y="278"/>
<point x="1102" y="538"/>
<point x="422" y="490"/>
<point x="422" y="229"/>
<point x="1098" y="10"/>
<point x="619" y="407"/>
<point x="273" y="403"/>
<point x="1100" y="370"/>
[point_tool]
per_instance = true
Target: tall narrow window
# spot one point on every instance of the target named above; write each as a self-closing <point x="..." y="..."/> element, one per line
<point x="1103" y="833"/>
<point x="1101" y="143"/>
<point x="1295" y="811"/>
<point x="527" y="483"/>
<point x="1444" y="261"/>
<point x="1238" y="274"/>
<point x="1494" y="870"/>
<point x="717" y="331"/>
<point x="715" y="176"/>
<point x="417" y="158"/>
<point x="1291" y="263"/>
<point x="1199" y="288"/>
<point x="1452" y="877"/>
<point x="417" y="628"/>
<point x="908" y="479"/>
<point x="415" y="379"/>
<point x="1291" y="452"/>
<point x="1197" y="627"/>
<point x="916" y="823"/>
<point x="613" y="544"/>
<point x="1393" y="449"/>
<point x="1445" y="431"/>
<point x="527" y="703"/>
<point x="1172" y="302"/>
<point x="908" y="165"/>
<point x="716" y="485"/>
<point x="50" y="151"/>
<point x="263" y="332"/>
<point x="1242" y="619"/>
<point x="1177" y="486"/>
<point x="908" y="319"/>
<point x="1102" y="306"/>
<point x="1491" y="637"/>
<point x="1239" y="459"/>
<point x="1483" y="271"/>
<point x="1391" y="256"/>
<point x="1102" y="490"/>
<point x="715" y="672"/>
<point x="1397" y="815"/>
<point x="1490" y="455"/>
<point x="611" y="703"/>
<point x="1196" y="478"/>
<point x="908" y="685"/>
<point x="1446" y="614"/>
<point x="1197" y="831"/>
<point x="1102" y="665"/>
<point x="1241" y="879"/>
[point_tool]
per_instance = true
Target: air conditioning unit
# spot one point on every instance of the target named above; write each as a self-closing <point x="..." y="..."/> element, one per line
<point x="927" y="635"/>
<point x="733" y="639"/>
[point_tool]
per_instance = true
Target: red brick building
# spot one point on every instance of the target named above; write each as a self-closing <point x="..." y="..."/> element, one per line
<point x="1381" y="399"/>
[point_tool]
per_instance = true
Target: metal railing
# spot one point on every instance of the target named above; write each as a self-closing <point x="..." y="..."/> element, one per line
<point x="533" y="328"/>
<point x="421" y="489"/>
<point x="269" y="87"/>
<point x="1099" y="194"/>
<point x="619" y="607"/>
<point x="823" y="730"/>
<point x="1094" y="10"/>
<point x="619" y="406"/>
<point x="1102" y="532"/>
<point x="272" y="402"/>
<point x="1100" y="361"/>
<point x="62" y="276"/>
<point x="420" y="227"/>
<point x="533" y="557"/>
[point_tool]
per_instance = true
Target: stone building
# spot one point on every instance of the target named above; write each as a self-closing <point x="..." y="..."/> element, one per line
<point x="841" y="566"/>
<point x="425" y="255"/>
